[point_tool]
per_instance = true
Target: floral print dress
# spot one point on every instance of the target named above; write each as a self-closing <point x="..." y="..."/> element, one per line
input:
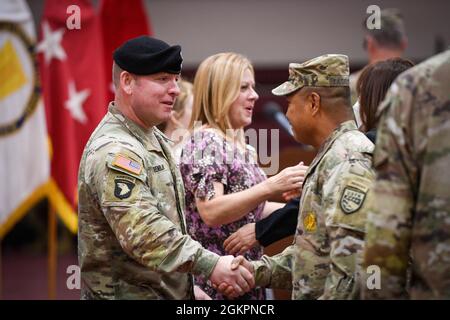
<point x="208" y="157"/>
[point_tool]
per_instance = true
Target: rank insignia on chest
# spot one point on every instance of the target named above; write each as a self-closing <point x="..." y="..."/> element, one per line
<point x="127" y="164"/>
<point x="123" y="188"/>
<point x="352" y="200"/>
<point x="309" y="222"/>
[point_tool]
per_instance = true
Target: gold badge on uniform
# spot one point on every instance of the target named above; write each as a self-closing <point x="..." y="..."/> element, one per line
<point x="352" y="199"/>
<point x="309" y="222"/>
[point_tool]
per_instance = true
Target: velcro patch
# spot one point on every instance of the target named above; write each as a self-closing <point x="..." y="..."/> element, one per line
<point x="352" y="200"/>
<point x="127" y="164"/>
<point x="359" y="184"/>
<point x="357" y="169"/>
<point x="158" y="168"/>
<point x="123" y="188"/>
<point x="338" y="81"/>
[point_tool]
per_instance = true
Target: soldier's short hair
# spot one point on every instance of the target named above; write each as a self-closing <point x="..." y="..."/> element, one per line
<point x="332" y="97"/>
<point x="116" y="71"/>
<point x="392" y="33"/>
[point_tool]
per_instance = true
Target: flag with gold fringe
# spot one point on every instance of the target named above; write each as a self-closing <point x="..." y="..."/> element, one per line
<point x="74" y="90"/>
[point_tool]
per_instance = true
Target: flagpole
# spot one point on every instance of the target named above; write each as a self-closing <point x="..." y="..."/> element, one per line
<point x="52" y="252"/>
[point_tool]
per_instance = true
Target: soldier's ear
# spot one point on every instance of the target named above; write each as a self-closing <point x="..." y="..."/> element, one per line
<point x="404" y="44"/>
<point x="126" y="82"/>
<point x="371" y="45"/>
<point x="315" y="103"/>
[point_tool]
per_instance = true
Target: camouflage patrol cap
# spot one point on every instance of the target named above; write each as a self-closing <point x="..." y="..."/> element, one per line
<point x="329" y="70"/>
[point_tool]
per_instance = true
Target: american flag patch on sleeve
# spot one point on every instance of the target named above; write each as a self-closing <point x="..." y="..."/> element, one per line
<point x="126" y="163"/>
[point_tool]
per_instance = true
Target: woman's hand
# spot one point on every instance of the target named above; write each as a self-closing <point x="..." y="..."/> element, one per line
<point x="288" y="179"/>
<point x="289" y="195"/>
<point x="242" y="240"/>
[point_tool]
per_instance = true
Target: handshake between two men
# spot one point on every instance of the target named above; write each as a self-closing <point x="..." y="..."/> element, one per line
<point x="233" y="276"/>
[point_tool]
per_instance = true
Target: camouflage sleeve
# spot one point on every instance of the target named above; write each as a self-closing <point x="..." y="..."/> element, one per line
<point x="344" y="197"/>
<point x="145" y="234"/>
<point x="389" y="213"/>
<point x="275" y="271"/>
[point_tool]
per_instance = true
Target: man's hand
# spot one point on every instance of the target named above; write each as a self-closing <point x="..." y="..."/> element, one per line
<point x="239" y="279"/>
<point x="241" y="261"/>
<point x="238" y="263"/>
<point x="200" y="294"/>
<point x="242" y="240"/>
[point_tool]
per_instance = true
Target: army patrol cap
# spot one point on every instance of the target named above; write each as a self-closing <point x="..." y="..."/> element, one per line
<point x="146" y="55"/>
<point x="329" y="70"/>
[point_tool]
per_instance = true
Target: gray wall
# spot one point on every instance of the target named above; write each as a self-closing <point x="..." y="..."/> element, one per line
<point x="274" y="32"/>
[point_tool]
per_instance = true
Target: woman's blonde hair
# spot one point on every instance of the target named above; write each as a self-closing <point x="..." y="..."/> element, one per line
<point x="217" y="85"/>
<point x="185" y="93"/>
<point x="181" y="101"/>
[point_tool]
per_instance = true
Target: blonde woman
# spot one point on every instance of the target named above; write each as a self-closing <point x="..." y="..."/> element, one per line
<point x="225" y="187"/>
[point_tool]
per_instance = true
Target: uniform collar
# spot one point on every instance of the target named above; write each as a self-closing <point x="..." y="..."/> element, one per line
<point x="147" y="137"/>
<point x="339" y="131"/>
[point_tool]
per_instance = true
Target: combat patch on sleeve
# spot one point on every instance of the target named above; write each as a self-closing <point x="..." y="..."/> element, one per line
<point x="123" y="187"/>
<point x="352" y="199"/>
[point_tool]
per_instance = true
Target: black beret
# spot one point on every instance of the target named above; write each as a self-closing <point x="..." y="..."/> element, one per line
<point x="145" y="55"/>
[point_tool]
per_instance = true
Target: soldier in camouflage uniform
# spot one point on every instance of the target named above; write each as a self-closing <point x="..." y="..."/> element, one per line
<point x="409" y="205"/>
<point x="132" y="231"/>
<point x="323" y="260"/>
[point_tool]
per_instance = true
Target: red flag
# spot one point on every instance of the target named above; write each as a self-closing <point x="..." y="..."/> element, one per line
<point x="74" y="89"/>
<point x="121" y="21"/>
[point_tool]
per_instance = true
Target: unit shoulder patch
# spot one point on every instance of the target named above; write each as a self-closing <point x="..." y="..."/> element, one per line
<point x="123" y="188"/>
<point x="352" y="200"/>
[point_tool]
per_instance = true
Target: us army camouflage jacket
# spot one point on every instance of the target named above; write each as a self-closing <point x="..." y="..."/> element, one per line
<point x="324" y="258"/>
<point x="132" y="234"/>
<point x="409" y="210"/>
